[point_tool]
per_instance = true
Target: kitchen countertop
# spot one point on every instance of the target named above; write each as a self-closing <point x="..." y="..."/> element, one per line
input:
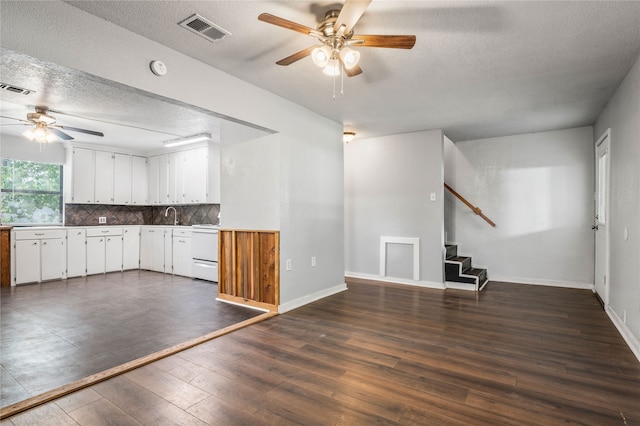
<point x="60" y="227"/>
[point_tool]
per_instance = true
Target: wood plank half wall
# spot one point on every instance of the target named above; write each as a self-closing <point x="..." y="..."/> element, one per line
<point x="249" y="268"/>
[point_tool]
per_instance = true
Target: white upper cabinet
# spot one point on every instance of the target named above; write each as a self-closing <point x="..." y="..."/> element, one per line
<point x="195" y="176"/>
<point x="138" y="180"/>
<point x="80" y="175"/>
<point x="121" y="179"/>
<point x="104" y="172"/>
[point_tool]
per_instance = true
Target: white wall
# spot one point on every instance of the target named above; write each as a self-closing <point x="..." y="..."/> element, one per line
<point x="22" y="149"/>
<point x="59" y="33"/>
<point x="622" y="116"/>
<point x="388" y="181"/>
<point x="449" y="201"/>
<point x="538" y="189"/>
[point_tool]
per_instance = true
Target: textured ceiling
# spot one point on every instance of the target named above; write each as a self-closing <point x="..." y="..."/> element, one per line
<point x="478" y="69"/>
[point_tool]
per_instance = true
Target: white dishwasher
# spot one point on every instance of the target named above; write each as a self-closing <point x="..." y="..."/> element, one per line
<point x="204" y="251"/>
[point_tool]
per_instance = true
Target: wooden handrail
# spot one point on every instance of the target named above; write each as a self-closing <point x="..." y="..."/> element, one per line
<point x="473" y="208"/>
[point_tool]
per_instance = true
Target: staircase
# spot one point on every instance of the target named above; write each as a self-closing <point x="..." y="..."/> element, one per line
<point x="460" y="274"/>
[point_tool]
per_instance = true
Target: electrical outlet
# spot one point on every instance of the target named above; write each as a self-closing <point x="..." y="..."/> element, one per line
<point x="289" y="267"/>
<point x="102" y="219"/>
<point x="313" y="261"/>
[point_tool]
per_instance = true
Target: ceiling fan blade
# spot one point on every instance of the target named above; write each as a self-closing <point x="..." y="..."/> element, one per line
<point x="290" y="25"/>
<point x="75" y="129"/>
<point x="389" y="41"/>
<point x="296" y="56"/>
<point x="16" y="124"/>
<point x="59" y="133"/>
<point x="349" y="15"/>
<point x="16" y="119"/>
<point x="353" y="71"/>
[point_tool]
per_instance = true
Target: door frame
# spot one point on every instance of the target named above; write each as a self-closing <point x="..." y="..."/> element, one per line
<point x="606" y="136"/>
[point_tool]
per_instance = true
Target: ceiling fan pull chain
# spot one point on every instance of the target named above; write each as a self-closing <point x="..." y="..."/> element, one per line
<point x="334" y="87"/>
<point x="342" y="79"/>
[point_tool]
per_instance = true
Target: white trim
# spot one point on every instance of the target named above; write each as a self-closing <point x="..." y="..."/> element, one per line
<point x="460" y="286"/>
<point x="425" y="284"/>
<point x="550" y="283"/>
<point x="606" y="136"/>
<point x="415" y="242"/>
<point x="627" y="335"/>
<point x="241" y="304"/>
<point x="296" y="303"/>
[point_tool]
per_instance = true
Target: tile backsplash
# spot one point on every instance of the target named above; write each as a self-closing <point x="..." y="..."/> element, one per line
<point x="89" y="214"/>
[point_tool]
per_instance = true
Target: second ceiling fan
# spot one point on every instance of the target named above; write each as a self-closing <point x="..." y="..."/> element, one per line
<point x="336" y="36"/>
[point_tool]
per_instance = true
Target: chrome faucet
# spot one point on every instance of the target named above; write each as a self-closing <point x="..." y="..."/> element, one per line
<point x="175" y="215"/>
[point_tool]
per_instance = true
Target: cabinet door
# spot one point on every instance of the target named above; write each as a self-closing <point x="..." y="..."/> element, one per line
<point x="95" y="255"/>
<point x="131" y="248"/>
<point x="163" y="179"/>
<point x="138" y="180"/>
<point x="76" y="253"/>
<point x="182" y="256"/>
<point x="27" y="253"/>
<point x="176" y="177"/>
<point x="157" y="250"/>
<point x="113" y="253"/>
<point x="146" y="248"/>
<point x="52" y="259"/>
<point x="168" y="251"/>
<point x="152" y="179"/>
<point x="82" y="175"/>
<point x="195" y="176"/>
<point x="121" y="179"/>
<point x="104" y="177"/>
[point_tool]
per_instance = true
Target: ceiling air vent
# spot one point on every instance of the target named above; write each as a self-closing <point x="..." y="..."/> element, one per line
<point x="15" y="89"/>
<point x="204" y="28"/>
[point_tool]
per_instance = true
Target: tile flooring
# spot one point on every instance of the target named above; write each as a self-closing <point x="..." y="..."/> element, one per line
<point x="57" y="332"/>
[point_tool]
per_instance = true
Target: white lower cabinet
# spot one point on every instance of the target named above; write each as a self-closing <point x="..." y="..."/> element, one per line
<point x="168" y="251"/>
<point x="152" y="249"/>
<point x="131" y="248"/>
<point x="76" y="252"/>
<point x="104" y="250"/>
<point x="182" y="260"/>
<point x="39" y="256"/>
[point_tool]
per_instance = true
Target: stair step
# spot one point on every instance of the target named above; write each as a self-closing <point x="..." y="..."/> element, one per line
<point x="452" y="250"/>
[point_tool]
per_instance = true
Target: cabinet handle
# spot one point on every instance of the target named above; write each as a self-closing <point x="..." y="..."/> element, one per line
<point x="79" y="233"/>
<point x="44" y="243"/>
<point x="104" y="231"/>
<point x="39" y="233"/>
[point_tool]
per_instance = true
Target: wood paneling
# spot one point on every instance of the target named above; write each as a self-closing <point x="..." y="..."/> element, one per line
<point x="249" y="267"/>
<point x="5" y="256"/>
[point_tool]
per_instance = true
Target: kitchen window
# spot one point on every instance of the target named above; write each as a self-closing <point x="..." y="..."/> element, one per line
<point x="31" y="193"/>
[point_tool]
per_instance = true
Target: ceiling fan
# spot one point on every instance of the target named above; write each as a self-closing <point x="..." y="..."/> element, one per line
<point x="45" y="130"/>
<point x="336" y="34"/>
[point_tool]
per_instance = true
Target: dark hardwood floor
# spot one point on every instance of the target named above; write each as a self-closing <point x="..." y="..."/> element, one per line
<point x="385" y="354"/>
<point x="57" y="332"/>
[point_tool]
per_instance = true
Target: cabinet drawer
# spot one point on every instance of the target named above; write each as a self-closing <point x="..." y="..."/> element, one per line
<point x="186" y="233"/>
<point x="103" y="232"/>
<point x="40" y="235"/>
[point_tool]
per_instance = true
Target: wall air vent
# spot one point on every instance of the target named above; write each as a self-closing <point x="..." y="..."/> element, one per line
<point x="15" y="89"/>
<point x="204" y="28"/>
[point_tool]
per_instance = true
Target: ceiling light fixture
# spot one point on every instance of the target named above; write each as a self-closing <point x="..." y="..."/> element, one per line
<point x="40" y="134"/>
<point x="348" y="136"/>
<point x="187" y="140"/>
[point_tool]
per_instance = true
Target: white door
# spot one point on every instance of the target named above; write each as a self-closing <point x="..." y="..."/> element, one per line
<point x="27" y="261"/>
<point x="601" y="222"/>
<point x="104" y="177"/>
<point x="121" y="179"/>
<point x="76" y="253"/>
<point x="113" y="253"/>
<point x="52" y="259"/>
<point x="95" y="255"/>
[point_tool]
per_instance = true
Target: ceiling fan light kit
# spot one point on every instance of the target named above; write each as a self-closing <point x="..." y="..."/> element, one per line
<point x="336" y="34"/>
<point x="40" y="134"/>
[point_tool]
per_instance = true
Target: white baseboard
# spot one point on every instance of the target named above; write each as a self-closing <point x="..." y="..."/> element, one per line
<point x="632" y="341"/>
<point x="427" y="284"/>
<point x="535" y="281"/>
<point x="460" y="286"/>
<point x="286" y="307"/>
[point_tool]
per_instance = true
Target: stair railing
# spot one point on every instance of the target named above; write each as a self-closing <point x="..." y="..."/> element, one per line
<point x="473" y="208"/>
